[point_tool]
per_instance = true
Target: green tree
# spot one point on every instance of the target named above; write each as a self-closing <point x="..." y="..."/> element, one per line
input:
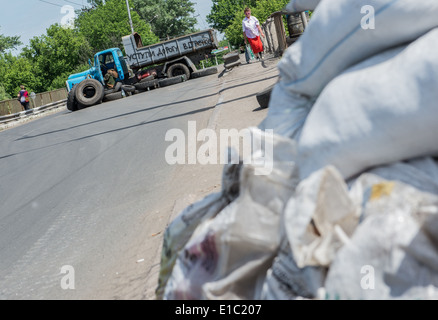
<point x="95" y="3"/>
<point x="168" y="18"/>
<point x="223" y="12"/>
<point x="16" y="71"/>
<point x="7" y="43"/>
<point x="265" y="8"/>
<point x="3" y="94"/>
<point x="262" y="9"/>
<point x="106" y="24"/>
<point x="56" y="54"/>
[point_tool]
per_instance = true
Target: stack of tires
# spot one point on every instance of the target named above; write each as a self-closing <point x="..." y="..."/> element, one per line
<point x="176" y="73"/>
<point x="119" y="91"/>
<point x="90" y="92"/>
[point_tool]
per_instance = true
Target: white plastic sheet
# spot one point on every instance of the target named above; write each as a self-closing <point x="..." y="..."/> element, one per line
<point x="318" y="217"/>
<point x="228" y="256"/>
<point x="286" y="281"/>
<point x="182" y="227"/>
<point x="393" y="252"/>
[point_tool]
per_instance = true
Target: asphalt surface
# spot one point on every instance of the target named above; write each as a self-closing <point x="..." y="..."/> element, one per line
<point x="74" y="186"/>
<point x="87" y="195"/>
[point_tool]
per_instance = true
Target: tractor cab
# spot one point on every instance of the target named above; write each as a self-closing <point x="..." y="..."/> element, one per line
<point x="110" y="59"/>
<point x="103" y="61"/>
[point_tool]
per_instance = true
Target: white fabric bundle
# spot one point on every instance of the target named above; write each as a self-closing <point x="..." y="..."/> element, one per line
<point x="339" y="35"/>
<point x="382" y="110"/>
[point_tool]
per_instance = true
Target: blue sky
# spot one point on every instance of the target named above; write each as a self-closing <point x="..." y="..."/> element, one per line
<point x="30" y="18"/>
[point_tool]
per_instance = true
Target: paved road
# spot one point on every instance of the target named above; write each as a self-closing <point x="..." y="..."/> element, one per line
<point x="78" y="188"/>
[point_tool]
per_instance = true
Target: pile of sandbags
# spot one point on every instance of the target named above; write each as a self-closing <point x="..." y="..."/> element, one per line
<point x="350" y="209"/>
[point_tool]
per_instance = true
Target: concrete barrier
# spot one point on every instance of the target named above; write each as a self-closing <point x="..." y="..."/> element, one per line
<point x="231" y="60"/>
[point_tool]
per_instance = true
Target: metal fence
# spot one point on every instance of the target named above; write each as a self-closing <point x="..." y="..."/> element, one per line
<point x="14" y="106"/>
<point x="277" y="41"/>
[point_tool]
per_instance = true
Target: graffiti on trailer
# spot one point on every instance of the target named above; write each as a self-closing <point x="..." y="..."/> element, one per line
<point x="149" y="54"/>
<point x="168" y="50"/>
<point x="198" y="43"/>
<point x="140" y="55"/>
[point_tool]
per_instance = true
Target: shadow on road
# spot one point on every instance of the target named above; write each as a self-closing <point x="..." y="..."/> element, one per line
<point x="109" y="131"/>
<point x="148" y="109"/>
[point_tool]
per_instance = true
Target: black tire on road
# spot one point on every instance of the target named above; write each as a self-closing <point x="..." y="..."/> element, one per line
<point x="72" y="103"/>
<point x="147" y="85"/>
<point x="117" y="87"/>
<point x="264" y="96"/>
<point x="89" y="92"/>
<point x="128" y="88"/>
<point x="178" y="69"/>
<point x="107" y="91"/>
<point x="170" y="81"/>
<point x="204" y="72"/>
<point x="113" y="96"/>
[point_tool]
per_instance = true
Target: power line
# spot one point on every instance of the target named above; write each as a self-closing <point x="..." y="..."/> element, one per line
<point x="58" y="5"/>
<point x="78" y="4"/>
<point x="202" y="19"/>
<point x="53" y="4"/>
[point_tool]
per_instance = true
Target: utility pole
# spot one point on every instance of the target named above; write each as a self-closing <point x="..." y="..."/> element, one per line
<point x="129" y="15"/>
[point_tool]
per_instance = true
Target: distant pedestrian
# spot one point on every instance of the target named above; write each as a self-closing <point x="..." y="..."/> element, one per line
<point x="251" y="33"/>
<point x="23" y="97"/>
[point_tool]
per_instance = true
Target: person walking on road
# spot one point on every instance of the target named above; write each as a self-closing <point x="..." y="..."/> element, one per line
<point x="23" y="97"/>
<point x="251" y="33"/>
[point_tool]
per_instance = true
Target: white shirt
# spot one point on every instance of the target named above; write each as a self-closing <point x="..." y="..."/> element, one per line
<point x="249" y="26"/>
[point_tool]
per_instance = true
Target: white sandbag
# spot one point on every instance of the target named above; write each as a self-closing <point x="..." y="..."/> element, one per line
<point x="286" y="281"/>
<point x="380" y="111"/>
<point x="339" y="35"/>
<point x="319" y="218"/>
<point x="393" y="252"/>
<point x="301" y="5"/>
<point x="182" y="227"/>
<point x="227" y="257"/>
<point x="287" y="116"/>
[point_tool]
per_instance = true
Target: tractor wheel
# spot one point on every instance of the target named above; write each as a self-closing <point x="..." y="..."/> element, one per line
<point x="72" y="102"/>
<point x="178" y="69"/>
<point x="89" y="92"/>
